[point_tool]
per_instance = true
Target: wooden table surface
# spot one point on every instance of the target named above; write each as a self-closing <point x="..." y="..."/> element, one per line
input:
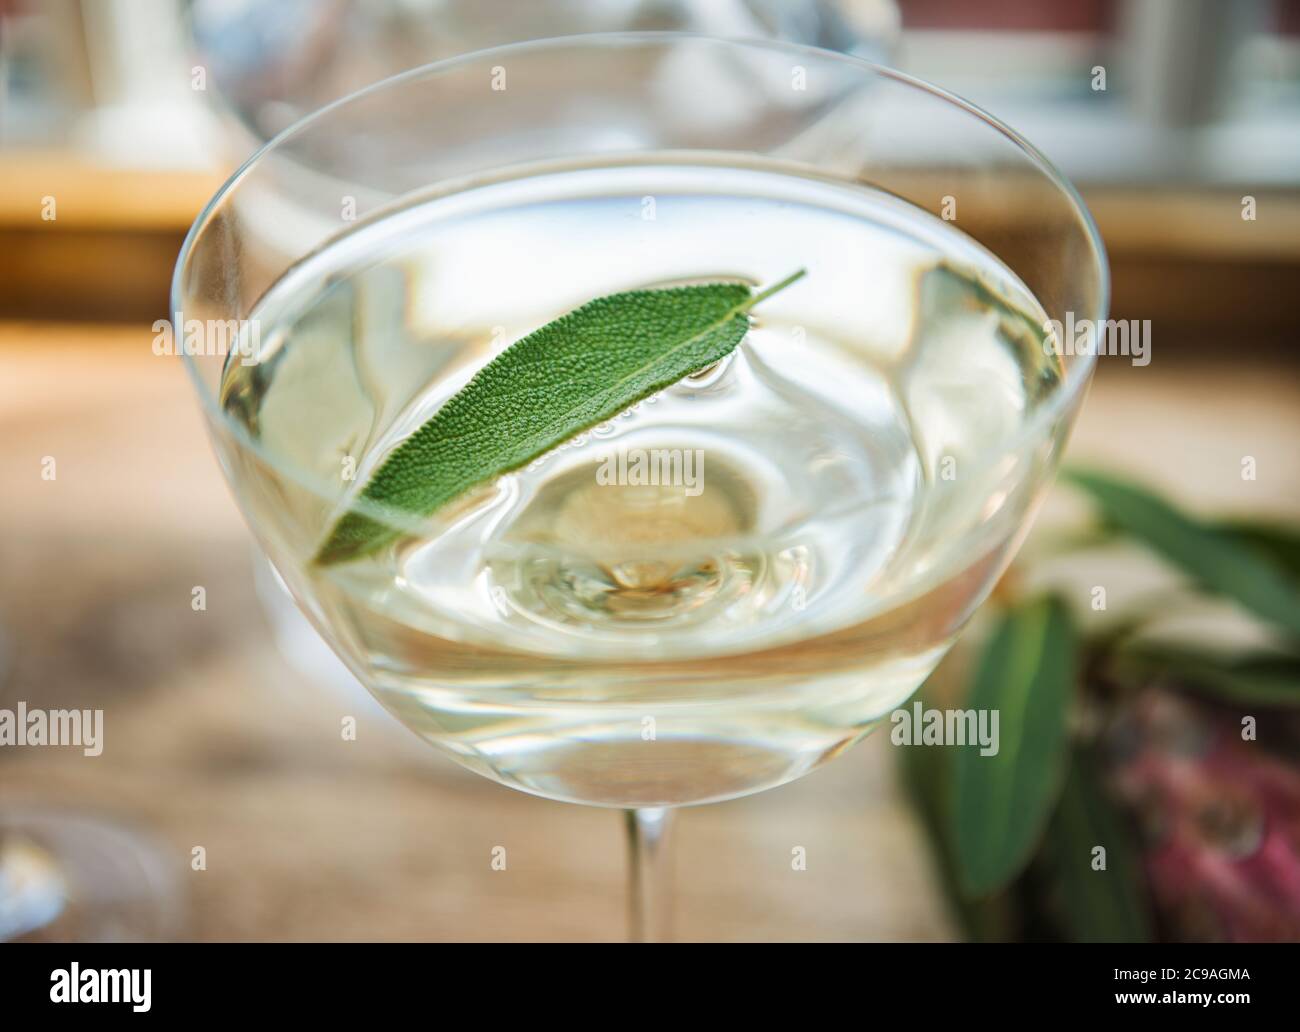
<point x="212" y="739"/>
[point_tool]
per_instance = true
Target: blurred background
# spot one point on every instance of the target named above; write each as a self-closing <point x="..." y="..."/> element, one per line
<point x="223" y="793"/>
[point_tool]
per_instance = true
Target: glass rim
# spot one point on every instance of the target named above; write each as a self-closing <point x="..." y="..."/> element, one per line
<point x="1076" y="376"/>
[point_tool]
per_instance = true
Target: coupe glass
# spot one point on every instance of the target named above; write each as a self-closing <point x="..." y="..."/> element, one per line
<point x="623" y="695"/>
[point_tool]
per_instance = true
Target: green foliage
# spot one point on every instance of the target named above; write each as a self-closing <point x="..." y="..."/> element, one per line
<point x="1016" y="834"/>
<point x="1099" y="895"/>
<point x="1027" y="674"/>
<point x="1217" y="561"/>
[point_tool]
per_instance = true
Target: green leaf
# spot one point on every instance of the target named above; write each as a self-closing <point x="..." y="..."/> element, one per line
<point x="1257" y="678"/>
<point x="1098" y="905"/>
<point x="926" y="778"/>
<point x="1213" y="559"/>
<point x="578" y="371"/>
<point x="1275" y="542"/>
<point x="1027" y="674"/>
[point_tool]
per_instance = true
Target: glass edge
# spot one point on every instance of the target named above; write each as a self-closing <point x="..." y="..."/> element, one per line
<point x="1078" y="374"/>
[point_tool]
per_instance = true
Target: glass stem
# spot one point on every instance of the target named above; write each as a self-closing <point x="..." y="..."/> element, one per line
<point x="650" y="873"/>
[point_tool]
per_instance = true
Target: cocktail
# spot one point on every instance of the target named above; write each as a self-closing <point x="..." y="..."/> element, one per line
<point x="641" y="417"/>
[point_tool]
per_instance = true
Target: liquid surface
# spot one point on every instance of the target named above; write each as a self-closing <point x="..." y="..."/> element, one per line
<point x="724" y="585"/>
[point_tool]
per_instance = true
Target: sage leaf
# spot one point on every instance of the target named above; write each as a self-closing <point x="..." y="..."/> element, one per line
<point x="925" y="776"/>
<point x="1100" y="903"/>
<point x="1275" y="542"/>
<point x="1002" y="802"/>
<point x="573" y="373"/>
<point x="1256" y="678"/>
<point x="1213" y="559"/>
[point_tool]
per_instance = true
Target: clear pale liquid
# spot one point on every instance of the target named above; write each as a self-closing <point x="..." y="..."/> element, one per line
<point x="723" y="630"/>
